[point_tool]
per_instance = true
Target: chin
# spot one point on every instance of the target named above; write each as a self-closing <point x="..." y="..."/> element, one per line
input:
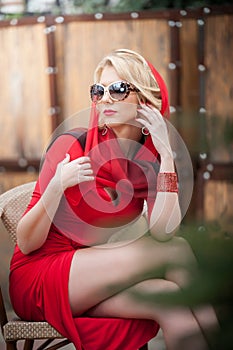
<point x="113" y="125"/>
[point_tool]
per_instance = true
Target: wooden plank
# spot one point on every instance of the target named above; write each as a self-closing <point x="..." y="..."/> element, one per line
<point x="175" y="66"/>
<point x="219" y="86"/>
<point x="219" y="48"/>
<point x="189" y="65"/>
<point x="188" y="123"/>
<point x="24" y="120"/>
<point x="52" y="66"/>
<point x="10" y="179"/>
<point x="21" y="164"/>
<point x="217" y="204"/>
<point x="219" y="174"/>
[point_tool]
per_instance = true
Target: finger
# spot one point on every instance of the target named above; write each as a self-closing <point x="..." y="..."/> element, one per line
<point x="151" y="114"/>
<point x="144" y="107"/>
<point x="144" y="115"/>
<point x="84" y="166"/>
<point x="149" y="110"/>
<point x="88" y="178"/>
<point x="83" y="178"/>
<point x="143" y="122"/>
<point x="87" y="172"/>
<point x="81" y="160"/>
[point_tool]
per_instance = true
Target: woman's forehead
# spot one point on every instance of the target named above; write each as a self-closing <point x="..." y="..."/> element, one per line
<point x="108" y="75"/>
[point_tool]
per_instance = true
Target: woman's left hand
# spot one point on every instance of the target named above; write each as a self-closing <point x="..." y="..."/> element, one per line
<point x="152" y="119"/>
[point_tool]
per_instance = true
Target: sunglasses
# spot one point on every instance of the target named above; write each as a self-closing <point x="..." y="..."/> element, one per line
<point x="118" y="91"/>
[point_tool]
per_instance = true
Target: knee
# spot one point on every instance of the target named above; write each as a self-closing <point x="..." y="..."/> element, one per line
<point x="182" y="252"/>
<point x="182" y="263"/>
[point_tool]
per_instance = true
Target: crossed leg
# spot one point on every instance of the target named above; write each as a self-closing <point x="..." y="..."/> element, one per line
<point x="180" y="328"/>
<point x="102" y="281"/>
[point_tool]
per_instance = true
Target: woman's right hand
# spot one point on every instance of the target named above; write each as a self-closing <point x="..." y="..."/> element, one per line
<point x="71" y="173"/>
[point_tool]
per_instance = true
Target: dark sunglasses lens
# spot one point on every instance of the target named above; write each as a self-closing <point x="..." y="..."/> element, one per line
<point x="97" y="92"/>
<point x="118" y="90"/>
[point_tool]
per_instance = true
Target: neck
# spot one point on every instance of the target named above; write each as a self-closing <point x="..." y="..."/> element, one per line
<point x="126" y="134"/>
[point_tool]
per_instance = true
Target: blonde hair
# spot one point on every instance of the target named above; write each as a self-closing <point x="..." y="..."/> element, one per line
<point x="133" y="68"/>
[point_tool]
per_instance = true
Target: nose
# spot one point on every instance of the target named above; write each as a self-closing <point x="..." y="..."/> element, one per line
<point x="106" y="98"/>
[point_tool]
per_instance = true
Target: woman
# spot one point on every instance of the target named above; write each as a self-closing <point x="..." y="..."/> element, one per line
<point x="63" y="265"/>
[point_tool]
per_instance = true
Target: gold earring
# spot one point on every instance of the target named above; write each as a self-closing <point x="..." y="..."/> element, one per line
<point x="105" y="130"/>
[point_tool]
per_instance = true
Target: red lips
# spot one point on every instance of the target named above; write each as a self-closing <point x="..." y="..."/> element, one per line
<point x="109" y="112"/>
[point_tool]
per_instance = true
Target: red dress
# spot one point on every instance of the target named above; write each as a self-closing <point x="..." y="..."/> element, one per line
<point x="39" y="280"/>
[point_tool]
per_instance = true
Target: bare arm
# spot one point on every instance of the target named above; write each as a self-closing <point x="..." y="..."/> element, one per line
<point x="165" y="215"/>
<point x="34" y="226"/>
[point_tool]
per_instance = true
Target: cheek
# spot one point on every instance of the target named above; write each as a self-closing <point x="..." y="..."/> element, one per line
<point x="129" y="111"/>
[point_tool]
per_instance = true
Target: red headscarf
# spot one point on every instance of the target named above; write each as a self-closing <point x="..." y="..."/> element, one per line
<point x="163" y="91"/>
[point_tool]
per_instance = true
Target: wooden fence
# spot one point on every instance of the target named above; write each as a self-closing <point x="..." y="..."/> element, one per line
<point x="47" y="66"/>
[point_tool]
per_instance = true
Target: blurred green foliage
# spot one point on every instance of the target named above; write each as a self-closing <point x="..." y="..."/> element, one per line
<point x="212" y="283"/>
<point x="113" y="6"/>
<point x="91" y="6"/>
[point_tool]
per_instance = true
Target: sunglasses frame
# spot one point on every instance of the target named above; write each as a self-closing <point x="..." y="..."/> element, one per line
<point x="129" y="88"/>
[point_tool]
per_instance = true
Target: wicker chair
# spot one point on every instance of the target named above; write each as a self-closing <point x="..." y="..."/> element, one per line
<point x="12" y="206"/>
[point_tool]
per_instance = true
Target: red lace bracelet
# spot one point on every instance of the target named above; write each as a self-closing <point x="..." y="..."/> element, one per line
<point x="167" y="182"/>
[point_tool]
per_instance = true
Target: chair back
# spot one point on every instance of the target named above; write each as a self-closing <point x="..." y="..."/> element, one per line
<point x="12" y="206"/>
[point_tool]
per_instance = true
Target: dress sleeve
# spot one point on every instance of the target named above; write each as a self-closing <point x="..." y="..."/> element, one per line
<point x="56" y="153"/>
